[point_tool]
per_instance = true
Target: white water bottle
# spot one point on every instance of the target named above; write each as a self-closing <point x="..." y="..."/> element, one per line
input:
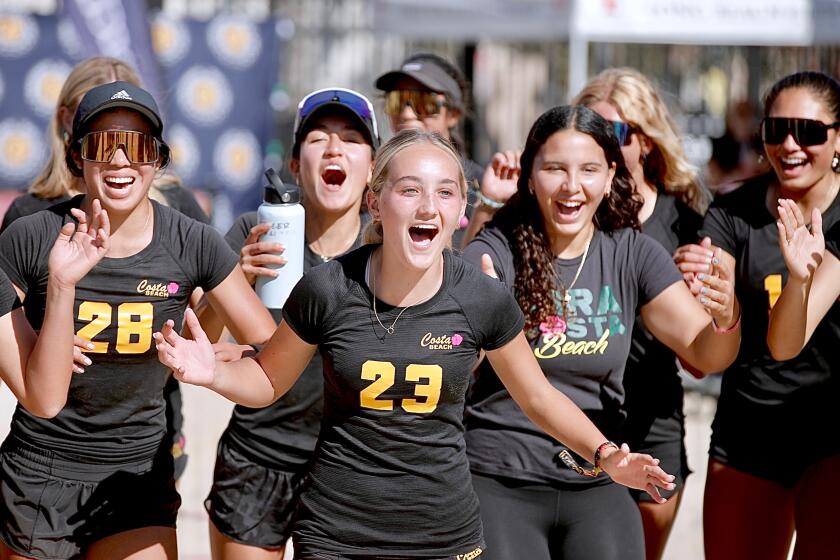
<point x="282" y="209"/>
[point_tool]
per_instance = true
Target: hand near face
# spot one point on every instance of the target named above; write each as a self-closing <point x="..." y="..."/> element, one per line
<point x="79" y="248"/>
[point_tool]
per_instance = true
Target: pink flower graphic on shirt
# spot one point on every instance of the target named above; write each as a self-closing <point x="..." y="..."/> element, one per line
<point x="457" y="339"/>
<point x="553" y="326"/>
<point x="172" y="288"/>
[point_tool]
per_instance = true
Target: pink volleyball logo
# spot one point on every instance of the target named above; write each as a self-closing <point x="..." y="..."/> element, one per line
<point x="457" y="339"/>
<point x="172" y="288"/>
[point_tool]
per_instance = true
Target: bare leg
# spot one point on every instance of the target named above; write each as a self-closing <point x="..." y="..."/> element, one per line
<point x="658" y="520"/>
<point x="223" y="548"/>
<point x="147" y="543"/>
<point x="817" y="496"/>
<point x="745" y="516"/>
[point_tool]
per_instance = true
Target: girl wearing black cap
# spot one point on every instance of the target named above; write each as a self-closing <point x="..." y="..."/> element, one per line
<point x="755" y="499"/>
<point x="566" y="245"/>
<point x="97" y="479"/>
<point x="264" y="454"/>
<point x="400" y="323"/>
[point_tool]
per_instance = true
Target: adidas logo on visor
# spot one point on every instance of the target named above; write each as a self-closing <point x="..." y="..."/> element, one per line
<point x="122" y="94"/>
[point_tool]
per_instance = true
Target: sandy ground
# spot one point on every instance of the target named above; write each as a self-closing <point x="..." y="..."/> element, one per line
<point x="207" y="415"/>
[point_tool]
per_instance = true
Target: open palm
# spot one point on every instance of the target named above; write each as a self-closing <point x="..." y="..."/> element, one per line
<point x="802" y="249"/>
<point x="638" y="470"/>
<point x="191" y="361"/>
<point x="80" y="247"/>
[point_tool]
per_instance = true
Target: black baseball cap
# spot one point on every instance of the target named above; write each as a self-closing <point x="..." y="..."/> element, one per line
<point x="351" y="102"/>
<point x="427" y="73"/>
<point x="113" y="95"/>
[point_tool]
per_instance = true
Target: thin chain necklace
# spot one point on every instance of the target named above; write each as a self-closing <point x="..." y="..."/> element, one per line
<point x="315" y="246"/>
<point x="389" y="330"/>
<point x="566" y="298"/>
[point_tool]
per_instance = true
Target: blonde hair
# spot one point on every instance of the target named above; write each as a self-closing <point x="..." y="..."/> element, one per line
<point x="639" y="104"/>
<point x="386" y="154"/>
<point x="55" y="179"/>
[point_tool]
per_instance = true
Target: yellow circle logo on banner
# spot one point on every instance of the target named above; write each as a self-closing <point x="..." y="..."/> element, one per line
<point x="236" y="42"/>
<point x="22" y="150"/>
<point x="18" y="34"/>
<point x="204" y="95"/>
<point x="237" y="159"/>
<point x="43" y="83"/>
<point x="170" y="39"/>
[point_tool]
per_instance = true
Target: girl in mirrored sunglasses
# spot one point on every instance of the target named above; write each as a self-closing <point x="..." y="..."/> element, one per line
<point x="56" y="184"/>
<point x="400" y="322"/>
<point x="754" y="503"/>
<point x="673" y="203"/>
<point x="567" y="245"/>
<point x="102" y="469"/>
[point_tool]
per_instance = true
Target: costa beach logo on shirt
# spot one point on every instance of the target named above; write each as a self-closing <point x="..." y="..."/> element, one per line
<point x="591" y="320"/>
<point x="160" y="289"/>
<point x="443" y="342"/>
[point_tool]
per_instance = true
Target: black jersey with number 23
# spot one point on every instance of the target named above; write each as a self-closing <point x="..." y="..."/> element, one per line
<point x="390" y="474"/>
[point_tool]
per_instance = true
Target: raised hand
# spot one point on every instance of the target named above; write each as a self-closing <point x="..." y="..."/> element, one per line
<point x="191" y="361"/>
<point x="695" y="259"/>
<point x="803" y="249"/>
<point x="79" y="248"/>
<point x="256" y="254"/>
<point x="717" y="291"/>
<point x="501" y="175"/>
<point x="637" y="470"/>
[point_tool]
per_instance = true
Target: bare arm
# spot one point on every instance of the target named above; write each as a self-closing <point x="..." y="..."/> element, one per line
<point x="236" y="303"/>
<point x="497" y="184"/>
<point x="812" y="286"/>
<point x="252" y="382"/>
<point x="561" y="418"/>
<point x="41" y="382"/>
<point x="696" y="340"/>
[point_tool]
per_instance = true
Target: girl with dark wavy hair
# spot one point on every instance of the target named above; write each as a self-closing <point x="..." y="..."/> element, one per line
<point x="567" y="244"/>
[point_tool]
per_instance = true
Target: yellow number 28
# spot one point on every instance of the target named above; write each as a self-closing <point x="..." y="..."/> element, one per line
<point x="428" y="379"/>
<point x="134" y="325"/>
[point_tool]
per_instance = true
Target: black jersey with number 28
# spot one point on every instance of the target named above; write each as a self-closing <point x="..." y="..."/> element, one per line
<point x="115" y="409"/>
<point x="390" y="474"/>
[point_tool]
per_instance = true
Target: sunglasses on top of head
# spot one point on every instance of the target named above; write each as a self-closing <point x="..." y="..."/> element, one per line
<point x="138" y="147"/>
<point x="805" y="132"/>
<point x="423" y="103"/>
<point x="623" y="132"/>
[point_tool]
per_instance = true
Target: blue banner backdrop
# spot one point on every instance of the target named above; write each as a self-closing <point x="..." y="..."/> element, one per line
<point x="215" y="80"/>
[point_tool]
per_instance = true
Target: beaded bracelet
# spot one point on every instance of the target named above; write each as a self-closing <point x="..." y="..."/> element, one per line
<point x="485" y="200"/>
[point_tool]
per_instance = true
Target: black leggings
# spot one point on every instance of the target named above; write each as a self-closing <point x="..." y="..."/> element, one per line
<point x="541" y="522"/>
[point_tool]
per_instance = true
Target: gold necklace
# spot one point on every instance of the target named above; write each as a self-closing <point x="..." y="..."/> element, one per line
<point x="389" y="330"/>
<point x="566" y="298"/>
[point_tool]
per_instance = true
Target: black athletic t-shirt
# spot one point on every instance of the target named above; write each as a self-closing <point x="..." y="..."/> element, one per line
<point x="741" y="225"/>
<point x="8" y="297"/>
<point x="623" y="270"/>
<point x="115" y="410"/>
<point x="390" y="473"/>
<point x="799" y="390"/>
<point x="654" y="392"/>
<point x="282" y="435"/>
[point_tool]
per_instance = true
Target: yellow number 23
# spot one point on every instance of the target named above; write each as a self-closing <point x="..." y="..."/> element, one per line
<point x="383" y="375"/>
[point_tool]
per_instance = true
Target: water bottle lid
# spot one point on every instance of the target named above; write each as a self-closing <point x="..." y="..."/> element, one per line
<point x="277" y="192"/>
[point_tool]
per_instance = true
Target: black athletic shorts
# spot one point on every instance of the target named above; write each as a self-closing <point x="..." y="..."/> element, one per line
<point x="542" y="522"/>
<point x="53" y="507"/>
<point x="250" y="503"/>
<point x="774" y="443"/>
<point x="476" y="554"/>
<point x="672" y="459"/>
